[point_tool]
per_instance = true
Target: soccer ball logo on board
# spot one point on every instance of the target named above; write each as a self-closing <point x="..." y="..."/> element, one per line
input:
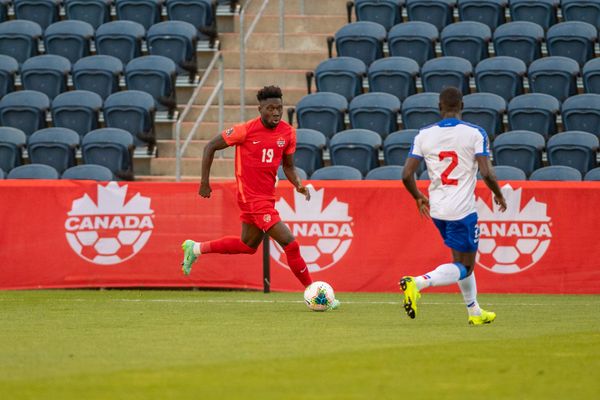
<point x="111" y="231"/>
<point x="515" y="240"/>
<point x="323" y="233"/>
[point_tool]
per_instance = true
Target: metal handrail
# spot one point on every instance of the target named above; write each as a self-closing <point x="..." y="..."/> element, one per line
<point x="218" y="90"/>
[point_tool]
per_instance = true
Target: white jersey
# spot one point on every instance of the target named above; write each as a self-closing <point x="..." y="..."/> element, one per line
<point x="449" y="149"/>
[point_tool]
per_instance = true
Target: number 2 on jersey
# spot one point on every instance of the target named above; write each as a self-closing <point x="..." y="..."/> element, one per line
<point x="453" y="163"/>
<point x="267" y="155"/>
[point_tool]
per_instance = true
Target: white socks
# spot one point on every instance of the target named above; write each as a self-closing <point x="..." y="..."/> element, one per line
<point x="197" y="248"/>
<point x="468" y="287"/>
<point x="445" y="274"/>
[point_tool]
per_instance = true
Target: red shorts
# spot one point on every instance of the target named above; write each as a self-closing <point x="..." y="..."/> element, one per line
<point x="260" y="213"/>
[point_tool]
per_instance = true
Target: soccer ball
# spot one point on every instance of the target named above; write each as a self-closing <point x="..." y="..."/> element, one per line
<point x="319" y="296"/>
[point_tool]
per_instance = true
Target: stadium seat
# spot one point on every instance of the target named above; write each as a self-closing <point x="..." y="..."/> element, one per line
<point x="33" y="171"/>
<point x="88" y="172"/>
<point x="414" y="40"/>
<point x="323" y="112"/>
<point x="591" y="76"/>
<point x="8" y="71"/>
<point x="77" y="110"/>
<point x="581" y="10"/>
<point x="133" y="111"/>
<point x="94" y="12"/>
<point x="541" y="12"/>
<point x="519" y="39"/>
<point x="394" y="75"/>
<point x="98" y="74"/>
<point x="508" y="173"/>
<point x="46" y="73"/>
<point x="358" y="148"/>
<point x="420" y="110"/>
<point x="574" y="39"/>
<point x="501" y="75"/>
<point x="200" y="13"/>
<point x="144" y="12"/>
<point x="109" y="147"/>
<point x="467" y="39"/>
<point x="362" y="40"/>
<point x="19" y="39"/>
<point x="491" y="12"/>
<point x="575" y="149"/>
<point x="120" y="39"/>
<point x="309" y="149"/>
<point x="582" y="113"/>
<point x="556" y="76"/>
<point x="485" y="110"/>
<point x="175" y="40"/>
<point x="154" y="75"/>
<point x="377" y="112"/>
<point x="342" y="75"/>
<point x="12" y="142"/>
<point x="520" y="149"/>
<point x="42" y="12"/>
<point x="436" y="12"/>
<point x="25" y="110"/>
<point x="299" y="171"/>
<point x="337" y="172"/>
<point x="2" y="174"/>
<point x="70" y="39"/>
<point x="385" y="173"/>
<point x="386" y="13"/>
<point x="4" y="9"/>
<point x="555" y="173"/>
<point x="397" y="145"/>
<point x="534" y="112"/>
<point x="592" y="175"/>
<point x="441" y="72"/>
<point x="54" y="147"/>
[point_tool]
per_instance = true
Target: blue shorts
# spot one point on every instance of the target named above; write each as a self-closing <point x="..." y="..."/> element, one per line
<point x="461" y="235"/>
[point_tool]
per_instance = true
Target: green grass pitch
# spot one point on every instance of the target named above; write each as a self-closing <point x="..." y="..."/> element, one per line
<point x="130" y="344"/>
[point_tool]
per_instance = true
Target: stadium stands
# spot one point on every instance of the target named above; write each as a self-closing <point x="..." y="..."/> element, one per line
<point x="70" y="39"/>
<point x="362" y="40"/>
<point x="42" y="12"/>
<point x="25" y="110"/>
<point x="377" y="112"/>
<point x="581" y="10"/>
<point x="556" y="76"/>
<point x="323" y="112"/>
<point x="467" y="39"/>
<point x="414" y="40"/>
<point x="358" y="148"/>
<point x="19" y="39"/>
<point x="397" y="145"/>
<point x="154" y="75"/>
<point x="491" y="12"/>
<point x="508" y="173"/>
<point x="574" y="149"/>
<point x="33" y="171"/>
<point x="420" y="110"/>
<point x="309" y="150"/>
<point x="8" y="72"/>
<point x="442" y="72"/>
<point x="386" y="13"/>
<point x="519" y="39"/>
<point x="574" y="39"/>
<point x="120" y="39"/>
<point x="99" y="74"/>
<point x="485" y="110"/>
<point x="54" y="147"/>
<point x="534" y="112"/>
<point x="593" y="175"/>
<point x="436" y="12"/>
<point x="556" y="173"/>
<point x="394" y="75"/>
<point x="335" y="172"/>
<point x="582" y="113"/>
<point x="77" y="110"/>
<point x="520" y="149"/>
<point x="12" y="142"/>
<point x="501" y="75"/>
<point x="94" y="12"/>
<point x="109" y="147"/>
<point x="47" y="74"/>
<point x="342" y="75"/>
<point x="88" y="172"/>
<point x="386" y="173"/>
<point x="175" y="40"/>
<point x="299" y="171"/>
<point x="541" y="12"/>
<point x="144" y="12"/>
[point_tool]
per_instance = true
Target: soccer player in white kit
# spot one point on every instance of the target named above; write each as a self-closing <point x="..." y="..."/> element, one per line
<point x="452" y="150"/>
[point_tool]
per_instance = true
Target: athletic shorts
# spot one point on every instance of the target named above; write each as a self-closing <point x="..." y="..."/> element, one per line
<point x="261" y="214"/>
<point x="461" y="235"/>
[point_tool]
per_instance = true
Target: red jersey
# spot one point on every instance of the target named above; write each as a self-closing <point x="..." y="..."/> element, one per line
<point x="258" y="154"/>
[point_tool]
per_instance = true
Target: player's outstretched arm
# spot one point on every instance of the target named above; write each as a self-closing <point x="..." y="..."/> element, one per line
<point x="408" y="178"/>
<point x="290" y="173"/>
<point x="489" y="177"/>
<point x="216" y="143"/>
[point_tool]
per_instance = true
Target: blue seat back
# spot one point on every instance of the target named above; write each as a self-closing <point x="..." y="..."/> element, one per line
<point x="574" y="39"/>
<point x="592" y="175"/>
<point x="541" y="12"/>
<point x="77" y="110"/>
<point x="397" y="145"/>
<point x="414" y="40"/>
<point x="436" y="12"/>
<point x="485" y="110"/>
<point x="12" y="141"/>
<point x="491" y="12"/>
<point x="42" y="12"/>
<point x="8" y="71"/>
<point x="19" y="39"/>
<point x="33" y="171"/>
<point x="358" y="148"/>
<point x="591" y="76"/>
<point x="520" y="149"/>
<point x="299" y="171"/>
<point x="439" y="73"/>
<point x="25" y="110"/>
<point x="199" y="13"/>
<point x="54" y="147"/>
<point x="466" y="39"/>
<point x="94" y="12"/>
<point x="534" y="112"/>
<point x="88" y="172"/>
<point x="377" y="112"/>
<point x="556" y="76"/>
<point x="120" y="39"/>
<point x="133" y="111"/>
<point x="154" y="75"/>
<point x="519" y="39"/>
<point x="309" y="150"/>
<point x="323" y="112"/>
<point x="575" y="149"/>
<point x="362" y="40"/>
<point x="582" y="113"/>
<point x="386" y="13"/>
<point x="46" y="73"/>
<point x="99" y="74"/>
<point x="70" y="39"/>
<point x="508" y="173"/>
<point x="175" y="40"/>
<point x="394" y="75"/>
<point x="420" y="110"/>
<point x="385" y="173"/>
<point x="556" y="173"/>
<point x="501" y="75"/>
<point x="337" y="172"/>
<point x="342" y="75"/>
<point x="144" y="12"/>
<point x="109" y="147"/>
<point x="581" y="10"/>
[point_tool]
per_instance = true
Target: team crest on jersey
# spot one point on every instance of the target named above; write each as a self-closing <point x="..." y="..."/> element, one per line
<point x="267" y="218"/>
<point x="229" y="131"/>
<point x="280" y="142"/>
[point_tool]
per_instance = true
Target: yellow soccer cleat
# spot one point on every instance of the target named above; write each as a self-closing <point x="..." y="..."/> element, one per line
<point x="411" y="295"/>
<point x="486" y="317"/>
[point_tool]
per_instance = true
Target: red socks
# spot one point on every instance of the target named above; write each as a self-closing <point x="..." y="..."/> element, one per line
<point x="297" y="264"/>
<point x="226" y="245"/>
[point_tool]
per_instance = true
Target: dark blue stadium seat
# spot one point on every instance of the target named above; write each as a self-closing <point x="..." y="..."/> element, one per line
<point x="337" y="172"/>
<point x="175" y="40"/>
<point x="200" y="13"/>
<point x="397" y="145"/>
<point x="591" y="76"/>
<point x="508" y="173"/>
<point x="120" y="39"/>
<point x="593" y="175"/>
<point x="436" y="12"/>
<point x="77" y="110"/>
<point x="541" y="12"/>
<point x="8" y="71"/>
<point x="155" y="75"/>
<point x="574" y="39"/>
<point x="501" y="75"/>
<point x="299" y="171"/>
<point x="519" y="39"/>
<point x="88" y="172"/>
<point x="490" y="12"/>
<point x="420" y="110"/>
<point x="25" y="110"/>
<point x="323" y="112"/>
<point x="467" y="39"/>
<point x="581" y="10"/>
<point x="12" y="142"/>
<point x="33" y="171"/>
<point x="309" y="149"/>
<point x="4" y="9"/>
<point x="46" y="73"/>
<point x="377" y="112"/>
<point x="19" y="39"/>
<point x="582" y="113"/>
<point x="144" y="12"/>
<point x="394" y="75"/>
<point x="534" y="112"/>
<point x="575" y="149"/>
<point x="384" y="12"/>
<point x="358" y="148"/>
<point x="556" y="76"/>
<point x="485" y="110"/>
<point x="94" y="12"/>
<point x="441" y="72"/>
<point x="54" y="147"/>
<point x="70" y="39"/>
<point x="385" y="173"/>
<point x="109" y="147"/>
<point x="520" y="149"/>
<point x="362" y="40"/>
<point x="414" y="40"/>
<point x="42" y="12"/>
<point x="98" y="74"/>
<point x="342" y="75"/>
<point x="555" y="173"/>
<point x="133" y="111"/>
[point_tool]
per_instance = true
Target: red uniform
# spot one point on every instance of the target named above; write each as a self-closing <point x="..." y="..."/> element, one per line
<point x="258" y="154"/>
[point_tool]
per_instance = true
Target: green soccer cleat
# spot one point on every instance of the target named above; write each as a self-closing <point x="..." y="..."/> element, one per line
<point x="411" y="295"/>
<point x="335" y="304"/>
<point x="188" y="256"/>
<point x="486" y="317"/>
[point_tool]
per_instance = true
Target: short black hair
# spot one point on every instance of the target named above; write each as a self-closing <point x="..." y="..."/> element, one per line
<point x="451" y="98"/>
<point x="269" y="92"/>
